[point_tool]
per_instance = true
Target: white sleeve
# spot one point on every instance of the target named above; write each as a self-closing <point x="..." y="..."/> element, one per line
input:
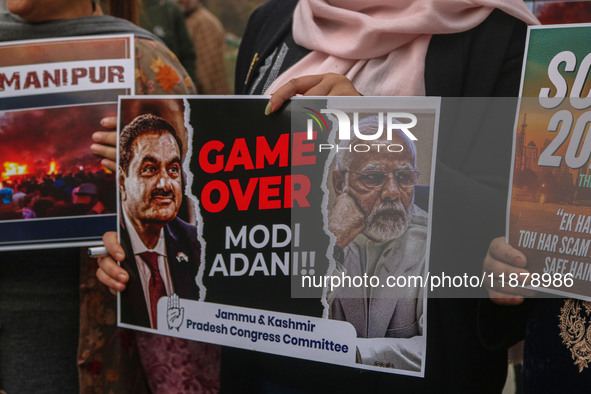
<point x="399" y="353"/>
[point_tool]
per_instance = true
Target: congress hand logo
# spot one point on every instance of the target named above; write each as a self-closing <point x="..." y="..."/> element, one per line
<point x="174" y="314"/>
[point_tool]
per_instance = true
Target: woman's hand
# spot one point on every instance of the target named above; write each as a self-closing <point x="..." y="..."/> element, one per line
<point x="502" y="258"/>
<point x="330" y="84"/>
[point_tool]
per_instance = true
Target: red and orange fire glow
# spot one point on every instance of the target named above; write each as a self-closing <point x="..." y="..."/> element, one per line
<point x="52" y="168"/>
<point x="11" y="169"/>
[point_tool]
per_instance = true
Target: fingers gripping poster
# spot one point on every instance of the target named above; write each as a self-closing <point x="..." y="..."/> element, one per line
<point x="278" y="233"/>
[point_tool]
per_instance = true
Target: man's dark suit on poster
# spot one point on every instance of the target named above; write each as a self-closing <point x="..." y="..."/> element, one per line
<point x="183" y="253"/>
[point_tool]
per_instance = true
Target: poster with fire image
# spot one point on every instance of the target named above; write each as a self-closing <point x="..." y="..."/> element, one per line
<point x="549" y="215"/>
<point x="257" y="231"/>
<point x="53" y="94"/>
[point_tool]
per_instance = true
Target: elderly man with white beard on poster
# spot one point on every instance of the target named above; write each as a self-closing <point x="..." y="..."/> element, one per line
<point x="379" y="232"/>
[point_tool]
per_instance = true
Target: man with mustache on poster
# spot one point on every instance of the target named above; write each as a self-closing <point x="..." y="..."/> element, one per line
<point x="162" y="252"/>
<point x="379" y="232"/>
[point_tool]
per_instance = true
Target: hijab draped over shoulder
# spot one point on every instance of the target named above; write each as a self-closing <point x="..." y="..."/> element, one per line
<point x="381" y="45"/>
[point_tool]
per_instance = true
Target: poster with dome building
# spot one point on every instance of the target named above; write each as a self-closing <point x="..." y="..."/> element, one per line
<point x="549" y="214"/>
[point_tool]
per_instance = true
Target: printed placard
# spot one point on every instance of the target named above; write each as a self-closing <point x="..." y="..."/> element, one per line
<point x="242" y="215"/>
<point x="53" y="94"/>
<point x="549" y="217"/>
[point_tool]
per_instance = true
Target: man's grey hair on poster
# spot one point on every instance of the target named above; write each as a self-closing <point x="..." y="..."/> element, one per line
<point x="369" y="125"/>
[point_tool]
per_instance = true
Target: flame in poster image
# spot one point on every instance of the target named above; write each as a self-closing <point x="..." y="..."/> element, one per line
<point x="11" y="169"/>
<point x="52" y="167"/>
